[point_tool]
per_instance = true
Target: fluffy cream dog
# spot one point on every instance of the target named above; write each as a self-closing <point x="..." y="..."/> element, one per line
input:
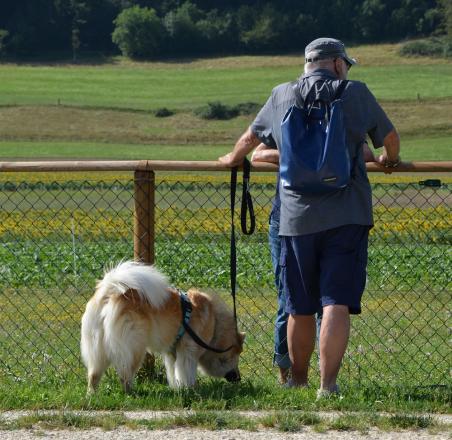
<point x="133" y="311"/>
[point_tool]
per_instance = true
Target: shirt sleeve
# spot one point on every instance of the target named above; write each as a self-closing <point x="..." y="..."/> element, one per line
<point x="262" y="125"/>
<point x="379" y="125"/>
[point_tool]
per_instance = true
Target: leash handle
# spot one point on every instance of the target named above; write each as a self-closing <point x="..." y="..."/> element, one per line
<point x="247" y="201"/>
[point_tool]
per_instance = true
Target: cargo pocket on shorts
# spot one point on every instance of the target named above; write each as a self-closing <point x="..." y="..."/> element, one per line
<point x="283" y="269"/>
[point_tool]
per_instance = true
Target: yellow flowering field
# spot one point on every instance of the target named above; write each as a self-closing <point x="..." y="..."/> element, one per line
<point x="414" y="222"/>
<point x="431" y="222"/>
<point x="104" y="223"/>
<point x="108" y="177"/>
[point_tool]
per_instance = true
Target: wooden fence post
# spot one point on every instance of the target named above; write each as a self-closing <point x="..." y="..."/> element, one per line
<point x="144" y="235"/>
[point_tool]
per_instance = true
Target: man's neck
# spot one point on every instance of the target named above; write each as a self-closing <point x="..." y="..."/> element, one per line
<point x="321" y="72"/>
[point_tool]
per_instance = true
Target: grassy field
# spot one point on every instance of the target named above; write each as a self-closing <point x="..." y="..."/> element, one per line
<point x="57" y="231"/>
<point x="422" y="149"/>
<point x="55" y="244"/>
<point x="107" y="110"/>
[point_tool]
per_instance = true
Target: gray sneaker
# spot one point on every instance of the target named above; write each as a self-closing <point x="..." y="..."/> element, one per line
<point x="291" y="384"/>
<point x="326" y="394"/>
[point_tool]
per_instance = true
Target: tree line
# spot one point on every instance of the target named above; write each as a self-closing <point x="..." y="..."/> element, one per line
<point x="160" y="28"/>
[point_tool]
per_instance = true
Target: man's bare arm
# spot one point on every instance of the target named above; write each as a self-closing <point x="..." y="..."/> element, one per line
<point x="264" y="153"/>
<point x="391" y="150"/>
<point x="247" y="142"/>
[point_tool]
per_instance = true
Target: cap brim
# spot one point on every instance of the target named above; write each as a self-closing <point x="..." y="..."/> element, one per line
<point x="351" y="61"/>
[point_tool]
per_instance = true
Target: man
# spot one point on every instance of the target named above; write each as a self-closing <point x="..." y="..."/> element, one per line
<point x="281" y="358"/>
<point x="324" y="237"/>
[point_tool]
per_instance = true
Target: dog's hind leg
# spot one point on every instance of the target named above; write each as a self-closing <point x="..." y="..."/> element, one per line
<point x="94" y="376"/>
<point x="96" y="363"/>
<point x="127" y="370"/>
<point x="92" y="347"/>
<point x="169" y="367"/>
<point x="185" y="369"/>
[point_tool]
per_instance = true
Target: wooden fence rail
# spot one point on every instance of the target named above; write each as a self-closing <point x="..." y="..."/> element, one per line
<point x="163" y="165"/>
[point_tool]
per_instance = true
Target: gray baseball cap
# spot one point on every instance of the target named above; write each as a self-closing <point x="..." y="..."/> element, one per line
<point x="323" y="48"/>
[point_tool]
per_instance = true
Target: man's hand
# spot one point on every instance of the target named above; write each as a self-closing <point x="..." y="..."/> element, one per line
<point x="247" y="142"/>
<point x="230" y="160"/>
<point x="390" y="158"/>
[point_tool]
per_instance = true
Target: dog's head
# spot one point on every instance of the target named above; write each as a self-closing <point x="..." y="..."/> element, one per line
<point x="225" y="364"/>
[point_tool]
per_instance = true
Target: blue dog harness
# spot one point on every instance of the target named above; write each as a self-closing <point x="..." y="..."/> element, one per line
<point x="184" y="327"/>
<point x="186" y="315"/>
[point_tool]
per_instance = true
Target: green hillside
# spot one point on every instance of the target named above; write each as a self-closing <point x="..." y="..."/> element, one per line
<point x="107" y="110"/>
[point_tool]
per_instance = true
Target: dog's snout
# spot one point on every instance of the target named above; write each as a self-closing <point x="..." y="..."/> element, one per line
<point x="232" y="376"/>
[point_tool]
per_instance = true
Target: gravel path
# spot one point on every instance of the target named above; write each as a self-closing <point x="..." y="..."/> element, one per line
<point x="198" y="434"/>
<point x="195" y="434"/>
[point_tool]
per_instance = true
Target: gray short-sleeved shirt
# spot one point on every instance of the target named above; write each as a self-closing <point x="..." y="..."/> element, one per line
<point x="363" y="116"/>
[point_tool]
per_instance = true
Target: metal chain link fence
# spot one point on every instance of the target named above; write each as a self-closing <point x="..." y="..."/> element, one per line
<point x="58" y="236"/>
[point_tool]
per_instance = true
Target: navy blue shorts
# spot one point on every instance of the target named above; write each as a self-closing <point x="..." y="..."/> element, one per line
<point x="324" y="268"/>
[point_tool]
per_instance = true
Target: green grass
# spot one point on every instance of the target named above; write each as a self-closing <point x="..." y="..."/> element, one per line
<point x="397" y="359"/>
<point x="427" y="149"/>
<point x="283" y="421"/>
<point x="423" y="149"/>
<point x="147" y="88"/>
<point x="136" y="87"/>
<point x="217" y="395"/>
<point x="406" y="83"/>
<point x="105" y="110"/>
<point x="397" y="353"/>
<point x="23" y="150"/>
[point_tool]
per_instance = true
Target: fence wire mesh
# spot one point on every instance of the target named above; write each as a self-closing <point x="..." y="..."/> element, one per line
<point x="58" y="236"/>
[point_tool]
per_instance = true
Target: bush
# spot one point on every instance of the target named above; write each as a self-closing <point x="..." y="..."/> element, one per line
<point x="248" y="108"/>
<point x="217" y="110"/>
<point x="139" y="32"/>
<point x="163" y="112"/>
<point x="433" y="47"/>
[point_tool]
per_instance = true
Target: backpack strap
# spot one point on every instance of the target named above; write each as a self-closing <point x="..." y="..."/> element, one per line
<point x="296" y="89"/>
<point x="340" y="89"/>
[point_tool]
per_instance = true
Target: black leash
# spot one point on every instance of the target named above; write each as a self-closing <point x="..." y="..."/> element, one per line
<point x="247" y="202"/>
<point x="247" y="206"/>
<point x="200" y="342"/>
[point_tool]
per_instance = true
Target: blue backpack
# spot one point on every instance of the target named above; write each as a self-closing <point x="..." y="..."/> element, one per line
<point x="314" y="157"/>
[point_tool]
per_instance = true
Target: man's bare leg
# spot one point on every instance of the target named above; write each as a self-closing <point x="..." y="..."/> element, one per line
<point x="301" y="341"/>
<point x="334" y="334"/>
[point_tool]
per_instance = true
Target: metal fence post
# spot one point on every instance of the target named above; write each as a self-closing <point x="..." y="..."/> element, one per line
<point x="144" y="235"/>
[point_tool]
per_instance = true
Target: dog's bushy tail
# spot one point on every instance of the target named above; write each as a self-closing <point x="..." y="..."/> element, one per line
<point x="112" y="333"/>
<point x="147" y="281"/>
